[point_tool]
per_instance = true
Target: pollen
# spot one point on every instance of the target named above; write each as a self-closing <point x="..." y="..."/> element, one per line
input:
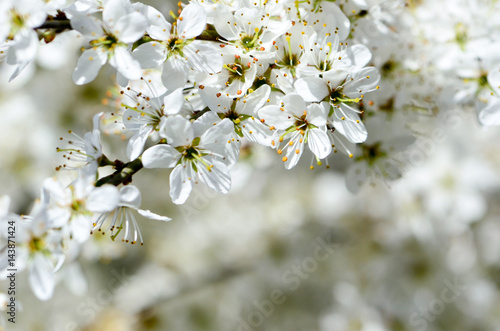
<point x="285" y="159"/>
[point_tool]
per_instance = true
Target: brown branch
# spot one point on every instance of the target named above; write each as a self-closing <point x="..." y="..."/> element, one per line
<point x="122" y="175"/>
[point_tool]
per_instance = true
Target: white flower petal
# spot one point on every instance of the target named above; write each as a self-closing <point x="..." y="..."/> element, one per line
<point x="136" y="143"/>
<point x="273" y="116"/>
<point x="181" y="183"/>
<point x="348" y="123"/>
<point x="22" y="52"/>
<point x="257" y="132"/>
<point x="359" y="55"/>
<point x="356" y="176"/>
<point x="4" y="206"/>
<point x="130" y="28"/>
<point x="173" y="102"/>
<point x="216" y="101"/>
<point x="130" y="196"/>
<point x="103" y="199"/>
<point x="316" y="114"/>
<point x="224" y="24"/>
<point x="150" y="55"/>
<point x="294" y="104"/>
<point x="494" y="80"/>
<point x="87" y="25"/>
<point x="41" y="278"/>
<point x="158" y="28"/>
<point x="217" y="178"/>
<point x="58" y="217"/>
<point x="123" y="61"/>
<point x="334" y="78"/>
<point x="175" y="73"/>
<point x="80" y="227"/>
<point x="363" y="81"/>
<point x="490" y="115"/>
<point x="88" y="66"/>
<point x="160" y="156"/>
<point x="57" y="191"/>
<point x="295" y="151"/>
<point x="191" y="21"/>
<point x="114" y="10"/>
<point x="153" y="216"/>
<point x="215" y="138"/>
<point x="254" y="101"/>
<point x="203" y="57"/>
<point x="311" y="88"/>
<point x="335" y="18"/>
<point x="319" y="143"/>
<point x="178" y="131"/>
<point x="205" y="122"/>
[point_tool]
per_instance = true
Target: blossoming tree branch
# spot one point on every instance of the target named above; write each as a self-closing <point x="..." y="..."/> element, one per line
<point x="297" y="77"/>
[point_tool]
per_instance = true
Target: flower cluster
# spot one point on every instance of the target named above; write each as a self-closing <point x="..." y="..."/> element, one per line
<point x="294" y="77"/>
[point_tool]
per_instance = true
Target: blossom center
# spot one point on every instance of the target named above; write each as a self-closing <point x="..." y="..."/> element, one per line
<point x="108" y="41"/>
<point x="36" y="244"/>
<point x="17" y="23"/>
